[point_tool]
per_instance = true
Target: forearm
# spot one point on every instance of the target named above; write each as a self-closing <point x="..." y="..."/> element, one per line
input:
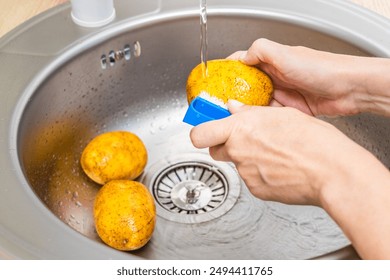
<point x="359" y="201"/>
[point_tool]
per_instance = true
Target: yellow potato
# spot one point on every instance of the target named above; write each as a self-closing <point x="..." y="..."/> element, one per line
<point x="124" y="214"/>
<point x="114" y="155"/>
<point x="230" y="79"/>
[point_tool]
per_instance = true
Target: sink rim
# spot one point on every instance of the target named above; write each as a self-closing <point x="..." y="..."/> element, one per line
<point x="9" y="121"/>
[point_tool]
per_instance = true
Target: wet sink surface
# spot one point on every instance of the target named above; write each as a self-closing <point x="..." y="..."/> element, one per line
<point x="146" y="95"/>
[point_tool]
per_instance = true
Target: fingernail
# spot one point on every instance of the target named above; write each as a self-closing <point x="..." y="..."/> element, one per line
<point x="234" y="103"/>
<point x="243" y="56"/>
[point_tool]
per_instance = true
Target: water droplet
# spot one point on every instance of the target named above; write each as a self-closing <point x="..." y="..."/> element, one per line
<point x="163" y="126"/>
<point x="75" y="194"/>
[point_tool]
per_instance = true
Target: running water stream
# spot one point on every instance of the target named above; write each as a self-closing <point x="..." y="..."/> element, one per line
<point x="203" y="36"/>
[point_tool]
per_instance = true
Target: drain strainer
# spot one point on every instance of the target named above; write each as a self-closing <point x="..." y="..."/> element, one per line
<point x="192" y="188"/>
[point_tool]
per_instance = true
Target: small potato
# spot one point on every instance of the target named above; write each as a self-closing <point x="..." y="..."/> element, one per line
<point x="114" y="155"/>
<point x="230" y="79"/>
<point x="124" y="214"/>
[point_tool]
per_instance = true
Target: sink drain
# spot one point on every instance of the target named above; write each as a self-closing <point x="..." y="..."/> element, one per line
<point x="192" y="188"/>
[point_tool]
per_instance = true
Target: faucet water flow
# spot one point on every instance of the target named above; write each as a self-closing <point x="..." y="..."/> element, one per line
<point x="203" y="36"/>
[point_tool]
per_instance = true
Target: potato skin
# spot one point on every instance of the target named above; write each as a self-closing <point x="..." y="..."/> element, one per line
<point x="231" y="79"/>
<point x="114" y="155"/>
<point x="124" y="214"/>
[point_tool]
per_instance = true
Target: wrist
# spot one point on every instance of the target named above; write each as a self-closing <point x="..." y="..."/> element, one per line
<point x="370" y="85"/>
<point x="359" y="200"/>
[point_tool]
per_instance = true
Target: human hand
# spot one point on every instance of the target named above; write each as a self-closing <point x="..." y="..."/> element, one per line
<point x="287" y="156"/>
<point x="279" y="152"/>
<point x="317" y="82"/>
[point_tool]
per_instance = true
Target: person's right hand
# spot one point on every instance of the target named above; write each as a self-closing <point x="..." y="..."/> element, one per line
<point x="321" y="83"/>
<point x="287" y="156"/>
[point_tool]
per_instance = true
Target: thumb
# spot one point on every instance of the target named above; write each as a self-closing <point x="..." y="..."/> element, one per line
<point x="235" y="106"/>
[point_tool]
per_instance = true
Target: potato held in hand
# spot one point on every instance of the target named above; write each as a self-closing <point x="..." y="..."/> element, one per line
<point x="124" y="214"/>
<point x="230" y="79"/>
<point x="114" y="155"/>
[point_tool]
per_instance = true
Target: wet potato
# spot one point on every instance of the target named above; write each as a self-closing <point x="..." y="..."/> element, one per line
<point x="124" y="214"/>
<point x="114" y="155"/>
<point x="230" y="79"/>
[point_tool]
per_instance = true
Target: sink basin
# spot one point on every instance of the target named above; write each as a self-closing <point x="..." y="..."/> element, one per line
<point x="130" y="75"/>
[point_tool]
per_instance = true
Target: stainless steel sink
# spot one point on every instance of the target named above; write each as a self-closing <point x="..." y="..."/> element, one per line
<point x="58" y="93"/>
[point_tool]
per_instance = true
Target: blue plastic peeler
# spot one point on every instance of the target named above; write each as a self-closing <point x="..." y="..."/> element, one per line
<point x="202" y="110"/>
